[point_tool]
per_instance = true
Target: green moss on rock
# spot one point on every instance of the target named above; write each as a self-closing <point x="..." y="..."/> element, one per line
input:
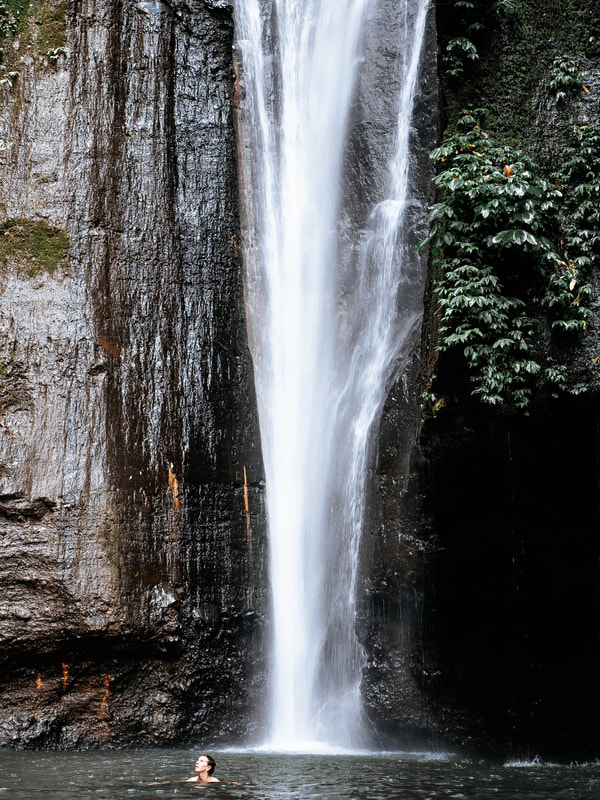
<point x="516" y="44"/>
<point x="41" y="24"/>
<point x="32" y="245"/>
<point x="19" y="8"/>
<point x="52" y="35"/>
<point x="12" y="16"/>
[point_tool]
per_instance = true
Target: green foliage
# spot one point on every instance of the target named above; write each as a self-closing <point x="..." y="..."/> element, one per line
<point x="33" y="246"/>
<point x="499" y="274"/>
<point x="12" y="16"/>
<point x="457" y="51"/>
<point x="19" y="8"/>
<point x="54" y="54"/>
<point x="461" y="48"/>
<point x="8" y="26"/>
<point x="52" y="36"/>
<point x="7" y="76"/>
<point x="8" y="23"/>
<point x="507" y="6"/>
<point x="579" y="177"/>
<point x="565" y="79"/>
<point x="469" y="19"/>
<point x="581" y="171"/>
<point x="41" y="21"/>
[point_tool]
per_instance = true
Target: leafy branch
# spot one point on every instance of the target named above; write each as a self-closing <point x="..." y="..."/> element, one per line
<point x="565" y="79"/>
<point x="469" y="17"/>
<point x="501" y="276"/>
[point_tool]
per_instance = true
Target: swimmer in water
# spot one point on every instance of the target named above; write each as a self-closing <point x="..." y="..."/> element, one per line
<point x="204" y="767"/>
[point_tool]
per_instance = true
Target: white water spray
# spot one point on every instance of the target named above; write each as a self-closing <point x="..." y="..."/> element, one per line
<point x="324" y="345"/>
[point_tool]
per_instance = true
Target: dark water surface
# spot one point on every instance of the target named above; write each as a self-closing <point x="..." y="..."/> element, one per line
<point x="268" y="776"/>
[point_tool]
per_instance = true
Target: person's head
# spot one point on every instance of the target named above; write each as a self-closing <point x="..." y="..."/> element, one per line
<point x="206" y="762"/>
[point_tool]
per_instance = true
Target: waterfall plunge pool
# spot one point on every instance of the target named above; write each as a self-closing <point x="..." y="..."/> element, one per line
<point x="276" y="776"/>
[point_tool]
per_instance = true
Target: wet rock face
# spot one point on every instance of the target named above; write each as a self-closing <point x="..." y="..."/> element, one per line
<point x="132" y="587"/>
<point x="397" y="541"/>
<point x="132" y="571"/>
<point x="507" y="601"/>
<point x="132" y="556"/>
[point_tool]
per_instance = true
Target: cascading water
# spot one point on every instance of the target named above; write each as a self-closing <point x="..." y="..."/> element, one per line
<point x="330" y="324"/>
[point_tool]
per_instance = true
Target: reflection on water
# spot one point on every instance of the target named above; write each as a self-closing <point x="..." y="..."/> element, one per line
<point x="268" y="776"/>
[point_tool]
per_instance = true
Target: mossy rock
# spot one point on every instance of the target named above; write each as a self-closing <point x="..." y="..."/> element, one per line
<point x="13" y="14"/>
<point x="52" y="35"/>
<point x="38" y="23"/>
<point x="516" y="49"/>
<point x="32" y="246"/>
<point x="19" y="8"/>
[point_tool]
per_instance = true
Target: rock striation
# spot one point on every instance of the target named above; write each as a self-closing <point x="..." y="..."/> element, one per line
<point x="133" y="587"/>
<point x="131" y="504"/>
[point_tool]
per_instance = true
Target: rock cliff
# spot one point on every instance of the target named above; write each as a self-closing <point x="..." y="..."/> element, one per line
<point x="501" y="508"/>
<point x="131" y="519"/>
<point x="133" y="587"/>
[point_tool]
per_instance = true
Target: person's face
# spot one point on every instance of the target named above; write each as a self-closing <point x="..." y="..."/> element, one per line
<point x="202" y="765"/>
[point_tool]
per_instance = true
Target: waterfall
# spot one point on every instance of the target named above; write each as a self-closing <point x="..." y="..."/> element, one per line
<point x="331" y="320"/>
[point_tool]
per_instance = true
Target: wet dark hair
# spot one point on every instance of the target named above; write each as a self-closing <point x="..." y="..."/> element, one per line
<point x="211" y="763"/>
